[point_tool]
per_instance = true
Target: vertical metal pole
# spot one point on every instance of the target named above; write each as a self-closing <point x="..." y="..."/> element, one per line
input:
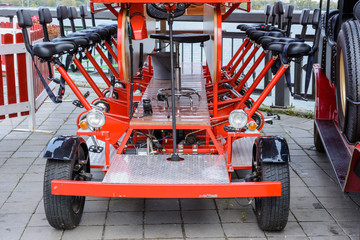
<point x="31" y="96"/>
<point x="174" y="156"/>
<point x="282" y="96"/>
<point x="298" y="77"/>
<point x="268" y="75"/>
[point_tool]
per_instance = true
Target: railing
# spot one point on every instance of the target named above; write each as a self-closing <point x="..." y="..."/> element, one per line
<point x="191" y="52"/>
<point x="22" y="94"/>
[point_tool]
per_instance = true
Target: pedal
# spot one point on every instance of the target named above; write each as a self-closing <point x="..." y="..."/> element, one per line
<point x="268" y="121"/>
<point x="273" y="115"/>
<point x="87" y="94"/>
<point x="77" y="103"/>
<point x="299" y="97"/>
<point x="96" y="149"/>
<point x="55" y="80"/>
<point x="86" y="176"/>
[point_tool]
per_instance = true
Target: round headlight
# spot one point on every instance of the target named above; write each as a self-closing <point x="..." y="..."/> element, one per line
<point x="95" y="118"/>
<point x="238" y="118"/>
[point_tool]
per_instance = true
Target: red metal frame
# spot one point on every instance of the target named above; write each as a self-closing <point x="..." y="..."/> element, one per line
<point x="231" y="190"/>
<point x="325" y="109"/>
<point x="118" y="123"/>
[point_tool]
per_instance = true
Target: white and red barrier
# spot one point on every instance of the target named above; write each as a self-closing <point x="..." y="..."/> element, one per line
<point x="22" y="93"/>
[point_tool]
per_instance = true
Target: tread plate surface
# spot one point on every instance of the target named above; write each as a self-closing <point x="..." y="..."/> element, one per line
<point x="156" y="169"/>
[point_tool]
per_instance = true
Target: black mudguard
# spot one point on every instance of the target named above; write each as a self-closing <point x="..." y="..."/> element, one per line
<point x="272" y="149"/>
<point x="64" y="147"/>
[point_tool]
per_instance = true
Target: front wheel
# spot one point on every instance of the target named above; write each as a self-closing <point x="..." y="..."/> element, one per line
<point x="272" y="212"/>
<point x="64" y="212"/>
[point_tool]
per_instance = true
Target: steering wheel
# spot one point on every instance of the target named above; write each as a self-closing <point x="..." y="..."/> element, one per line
<point x="159" y="11"/>
<point x="180" y="7"/>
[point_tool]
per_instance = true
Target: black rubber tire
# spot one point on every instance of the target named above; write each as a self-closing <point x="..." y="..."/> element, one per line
<point x="317" y="141"/>
<point x="348" y="77"/>
<point x="272" y="212"/>
<point x="59" y="210"/>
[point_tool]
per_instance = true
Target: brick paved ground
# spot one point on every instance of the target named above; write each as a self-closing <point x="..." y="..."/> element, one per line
<point x="318" y="208"/>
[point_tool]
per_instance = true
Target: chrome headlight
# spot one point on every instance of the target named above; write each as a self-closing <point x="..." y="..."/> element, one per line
<point x="95" y="118"/>
<point x="238" y="118"/>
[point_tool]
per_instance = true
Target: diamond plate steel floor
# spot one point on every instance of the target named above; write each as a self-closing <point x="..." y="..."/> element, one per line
<point x="156" y="169"/>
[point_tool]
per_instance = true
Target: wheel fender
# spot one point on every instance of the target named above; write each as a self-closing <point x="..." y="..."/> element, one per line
<point x="64" y="147"/>
<point x="272" y="149"/>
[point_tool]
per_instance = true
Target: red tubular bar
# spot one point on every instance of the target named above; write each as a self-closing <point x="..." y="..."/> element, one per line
<point x="240" y="58"/>
<point x="87" y="77"/>
<point x="112" y="69"/>
<point x="111" y="51"/>
<point x="231" y="190"/>
<point x="267" y="90"/>
<point x="256" y="83"/>
<point x="114" y="42"/>
<point x="98" y="68"/>
<point x="241" y="70"/>
<point x="73" y="87"/>
<point x="251" y="71"/>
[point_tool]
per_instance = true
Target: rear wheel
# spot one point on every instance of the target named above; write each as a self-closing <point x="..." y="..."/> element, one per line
<point x="64" y="212"/>
<point x="348" y="80"/>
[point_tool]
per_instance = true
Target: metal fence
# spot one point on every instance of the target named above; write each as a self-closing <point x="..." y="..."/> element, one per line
<point x="231" y="41"/>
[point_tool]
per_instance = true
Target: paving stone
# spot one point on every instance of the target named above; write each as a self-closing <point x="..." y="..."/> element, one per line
<point x="197" y="204"/>
<point x="21" y="161"/>
<point x="48" y="233"/>
<point x="32" y="148"/>
<point x="202" y="216"/>
<point x="350" y="228"/>
<point x="7" y="186"/>
<point x="36" y="168"/>
<point x="21" y="154"/>
<point x="305" y="166"/>
<point x="245" y="230"/>
<point x="237" y="216"/>
<point x="22" y="196"/>
<point x="29" y="186"/>
<point x="297" y="182"/>
<point x="7" y="168"/>
<point x="327" y="191"/>
<point x="161" y="204"/>
<point x="322" y="229"/>
<point x="38" y="220"/>
<point x="291" y="229"/>
<point x="337" y="202"/>
<point x="6" y="177"/>
<point x="96" y="206"/>
<point x="126" y="205"/>
<point x="315" y="215"/>
<point x="347" y="214"/>
<point x="297" y="192"/>
<point x="163" y="217"/>
<point x="14" y="207"/>
<point x="330" y="238"/>
<point x="93" y="219"/>
<point x="203" y="230"/>
<point x="84" y="232"/>
<point x="310" y="203"/>
<point x="40" y="208"/>
<point x="231" y="203"/>
<point x="11" y="233"/>
<point x="127" y="232"/>
<point x="163" y="231"/>
<point x="33" y="177"/>
<point x="124" y="218"/>
<point x="13" y="220"/>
